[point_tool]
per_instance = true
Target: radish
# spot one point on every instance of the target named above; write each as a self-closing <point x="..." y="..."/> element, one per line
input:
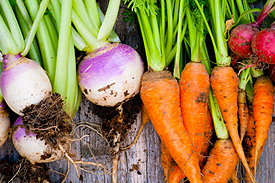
<point x="263" y="45"/>
<point x="4" y="122"/>
<point x="240" y="39"/>
<point x="32" y="148"/>
<point x="241" y="36"/>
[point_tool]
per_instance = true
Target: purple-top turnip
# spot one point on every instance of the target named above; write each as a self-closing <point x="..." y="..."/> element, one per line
<point x="111" y="74"/>
<point x="29" y="146"/>
<point x="23" y="82"/>
<point x="4" y="122"/>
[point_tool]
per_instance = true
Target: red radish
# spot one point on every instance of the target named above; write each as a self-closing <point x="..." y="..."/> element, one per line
<point x="242" y="35"/>
<point x="263" y="45"/>
<point x="240" y="39"/>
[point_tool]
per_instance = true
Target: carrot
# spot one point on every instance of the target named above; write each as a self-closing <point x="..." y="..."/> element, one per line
<point x="222" y="157"/>
<point x="166" y="161"/>
<point x="224" y="82"/>
<point x="208" y="133"/>
<point x="263" y="103"/>
<point x="194" y="89"/>
<point x="144" y="120"/>
<point x="172" y="172"/>
<point x="243" y="113"/>
<point x="175" y="174"/>
<point x="160" y="95"/>
<point x="250" y="144"/>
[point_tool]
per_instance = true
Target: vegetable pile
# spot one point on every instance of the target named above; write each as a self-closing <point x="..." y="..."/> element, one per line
<point x="206" y="90"/>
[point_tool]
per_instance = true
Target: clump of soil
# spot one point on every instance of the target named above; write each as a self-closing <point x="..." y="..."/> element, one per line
<point x="48" y="120"/>
<point x="23" y="171"/>
<point x="111" y="116"/>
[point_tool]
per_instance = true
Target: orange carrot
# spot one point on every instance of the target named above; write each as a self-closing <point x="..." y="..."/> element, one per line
<point x="166" y="161"/>
<point x="243" y="113"/>
<point x="262" y="109"/>
<point x="208" y="133"/>
<point x="250" y="144"/>
<point x="160" y="95"/>
<point x="194" y="90"/>
<point x="222" y="157"/>
<point x="224" y="82"/>
<point x="175" y="174"/>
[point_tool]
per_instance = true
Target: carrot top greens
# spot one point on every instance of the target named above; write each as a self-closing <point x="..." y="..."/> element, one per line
<point x="162" y="29"/>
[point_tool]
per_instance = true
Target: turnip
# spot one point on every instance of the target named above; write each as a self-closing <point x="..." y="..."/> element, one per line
<point x="32" y="148"/>
<point x="242" y="35"/>
<point x="23" y="81"/>
<point x="111" y="72"/>
<point x="4" y="122"/>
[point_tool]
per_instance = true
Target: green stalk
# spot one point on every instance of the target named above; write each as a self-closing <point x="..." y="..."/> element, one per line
<point x="86" y="34"/>
<point x="34" y="52"/>
<point x="154" y="60"/>
<point x="60" y="80"/>
<point x="173" y="52"/>
<point x="219" y="125"/>
<point x="37" y="20"/>
<point x="78" y="41"/>
<point x="81" y="11"/>
<point x="249" y="91"/>
<point x="72" y="84"/>
<point x="92" y="9"/>
<point x="113" y="37"/>
<point x="7" y="41"/>
<point x="52" y="30"/>
<point x="55" y="8"/>
<point x="44" y="40"/>
<point x="177" y="69"/>
<point x="109" y="20"/>
<point x="169" y="41"/>
<point x="256" y="72"/>
<point x="244" y="78"/>
<point x="13" y="24"/>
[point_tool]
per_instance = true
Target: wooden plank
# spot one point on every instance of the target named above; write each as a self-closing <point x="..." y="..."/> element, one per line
<point x="140" y="163"/>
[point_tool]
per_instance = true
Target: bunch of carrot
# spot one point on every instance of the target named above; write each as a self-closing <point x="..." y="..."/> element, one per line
<point x="182" y="118"/>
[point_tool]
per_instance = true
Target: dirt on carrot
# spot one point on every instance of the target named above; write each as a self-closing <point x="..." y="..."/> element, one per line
<point x="263" y="103"/>
<point x="243" y="113"/>
<point x="166" y="161"/>
<point x="221" y="162"/>
<point x="175" y="174"/>
<point x="160" y="95"/>
<point x="224" y="82"/>
<point x="194" y="90"/>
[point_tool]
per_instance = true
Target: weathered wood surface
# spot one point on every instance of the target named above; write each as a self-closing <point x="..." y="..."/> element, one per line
<point x="140" y="163"/>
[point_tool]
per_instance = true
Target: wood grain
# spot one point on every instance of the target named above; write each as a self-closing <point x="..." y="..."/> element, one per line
<point x="140" y="163"/>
